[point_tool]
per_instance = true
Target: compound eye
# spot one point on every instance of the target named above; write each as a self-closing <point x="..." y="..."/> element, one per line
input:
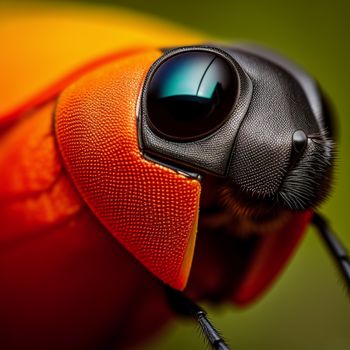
<point x="190" y="95"/>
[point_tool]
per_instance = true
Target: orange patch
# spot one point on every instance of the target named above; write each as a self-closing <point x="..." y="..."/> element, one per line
<point x="150" y="209"/>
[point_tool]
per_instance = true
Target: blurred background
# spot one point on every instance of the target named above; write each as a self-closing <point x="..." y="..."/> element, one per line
<point x="307" y="308"/>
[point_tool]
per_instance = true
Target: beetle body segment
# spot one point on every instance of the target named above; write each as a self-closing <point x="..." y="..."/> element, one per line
<point x="151" y="210"/>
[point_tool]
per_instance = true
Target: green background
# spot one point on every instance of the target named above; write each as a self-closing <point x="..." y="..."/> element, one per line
<point x="308" y="307"/>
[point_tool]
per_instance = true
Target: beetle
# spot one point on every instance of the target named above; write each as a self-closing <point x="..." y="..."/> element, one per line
<point x="136" y="140"/>
<point x="127" y="167"/>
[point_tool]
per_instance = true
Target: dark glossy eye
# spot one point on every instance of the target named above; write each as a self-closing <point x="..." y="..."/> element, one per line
<point x="190" y="95"/>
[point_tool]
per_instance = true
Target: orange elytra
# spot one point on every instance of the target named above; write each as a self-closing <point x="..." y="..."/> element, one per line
<point x="150" y="209"/>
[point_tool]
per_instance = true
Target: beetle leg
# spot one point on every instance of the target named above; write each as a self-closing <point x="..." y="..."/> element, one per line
<point x="335" y="246"/>
<point x="184" y="306"/>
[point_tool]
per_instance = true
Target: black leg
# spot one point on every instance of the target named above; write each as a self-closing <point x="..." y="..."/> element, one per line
<point x="186" y="307"/>
<point x="334" y="245"/>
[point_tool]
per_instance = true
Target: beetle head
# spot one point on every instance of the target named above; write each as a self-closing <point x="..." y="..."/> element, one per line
<point x="245" y="116"/>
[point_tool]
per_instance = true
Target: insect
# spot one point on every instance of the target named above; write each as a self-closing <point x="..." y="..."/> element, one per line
<point x="192" y="168"/>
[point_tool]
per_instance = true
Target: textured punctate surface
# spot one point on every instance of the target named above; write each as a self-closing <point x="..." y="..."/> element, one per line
<point x="150" y="209"/>
<point x="263" y="145"/>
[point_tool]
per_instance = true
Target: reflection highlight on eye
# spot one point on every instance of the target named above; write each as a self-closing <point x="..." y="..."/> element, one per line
<point x="190" y="95"/>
